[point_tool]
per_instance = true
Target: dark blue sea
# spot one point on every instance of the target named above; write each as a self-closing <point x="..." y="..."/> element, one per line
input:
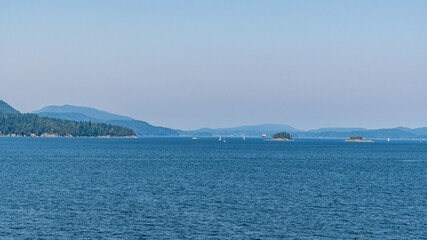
<point x="179" y="188"/>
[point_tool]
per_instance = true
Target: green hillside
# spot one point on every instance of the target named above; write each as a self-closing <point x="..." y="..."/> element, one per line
<point x="6" y="108"/>
<point x="33" y="125"/>
<point x="13" y="123"/>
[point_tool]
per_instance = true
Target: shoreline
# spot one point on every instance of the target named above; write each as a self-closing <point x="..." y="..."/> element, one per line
<point x="348" y="140"/>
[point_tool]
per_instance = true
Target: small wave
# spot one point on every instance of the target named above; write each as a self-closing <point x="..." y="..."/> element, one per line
<point x="411" y="160"/>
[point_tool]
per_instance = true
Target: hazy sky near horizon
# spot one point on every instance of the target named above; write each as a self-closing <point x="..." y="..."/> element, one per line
<point x="192" y="64"/>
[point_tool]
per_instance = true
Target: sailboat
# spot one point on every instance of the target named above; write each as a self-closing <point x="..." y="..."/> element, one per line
<point x="244" y="138"/>
<point x="388" y="139"/>
<point x="219" y="139"/>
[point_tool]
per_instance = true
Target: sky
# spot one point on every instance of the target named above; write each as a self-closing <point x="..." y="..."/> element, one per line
<point x="193" y="64"/>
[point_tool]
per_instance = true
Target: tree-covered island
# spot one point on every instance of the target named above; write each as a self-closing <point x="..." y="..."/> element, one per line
<point x="357" y="139"/>
<point x="282" y="136"/>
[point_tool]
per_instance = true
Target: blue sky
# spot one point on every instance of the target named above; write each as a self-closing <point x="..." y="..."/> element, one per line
<point x="191" y="64"/>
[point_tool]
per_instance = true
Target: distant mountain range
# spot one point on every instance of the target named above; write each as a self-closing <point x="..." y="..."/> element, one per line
<point x="142" y="128"/>
<point x="255" y="130"/>
<point x="76" y="113"/>
<point x="320" y="130"/>
<point x="394" y="133"/>
<point x="270" y="129"/>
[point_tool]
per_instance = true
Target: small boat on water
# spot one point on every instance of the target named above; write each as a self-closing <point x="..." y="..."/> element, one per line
<point x="194" y="138"/>
<point x="244" y="138"/>
<point x="219" y="139"/>
<point x="388" y="139"/>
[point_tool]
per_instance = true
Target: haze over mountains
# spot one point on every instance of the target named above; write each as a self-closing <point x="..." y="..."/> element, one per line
<point x="142" y="128"/>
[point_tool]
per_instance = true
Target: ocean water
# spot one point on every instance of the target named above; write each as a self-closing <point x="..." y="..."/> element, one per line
<point x="178" y="188"/>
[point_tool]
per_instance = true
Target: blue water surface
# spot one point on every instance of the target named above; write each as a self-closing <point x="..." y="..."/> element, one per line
<point x="179" y="188"/>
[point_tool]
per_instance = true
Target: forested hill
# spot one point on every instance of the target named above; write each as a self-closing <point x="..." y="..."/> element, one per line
<point x="78" y="113"/>
<point x="17" y="124"/>
<point x="6" y="108"/>
<point x="13" y="123"/>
